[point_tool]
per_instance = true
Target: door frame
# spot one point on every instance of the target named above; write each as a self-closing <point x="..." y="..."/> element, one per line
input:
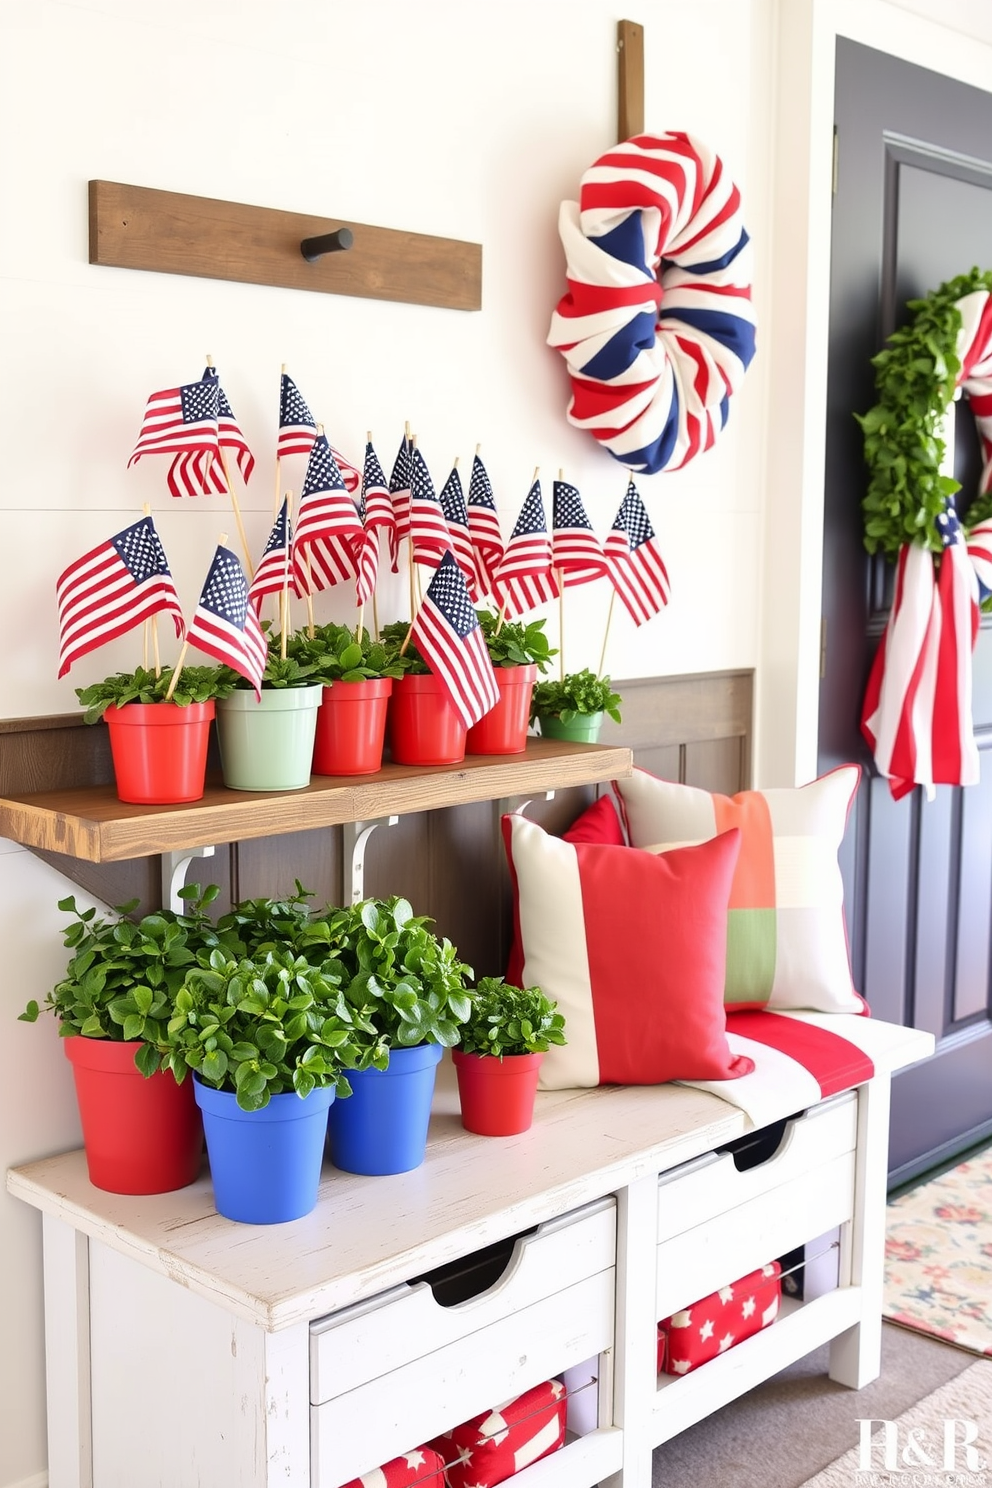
<point x="795" y="338"/>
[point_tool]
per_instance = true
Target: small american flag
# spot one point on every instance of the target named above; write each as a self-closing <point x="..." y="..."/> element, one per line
<point x="399" y="491"/>
<point x="182" y="421"/>
<point x="428" y="529"/>
<point x="275" y="570"/>
<point x="636" y="566"/>
<point x="230" y="434"/>
<point x="377" y="508"/>
<point x="297" y="425"/>
<point x="524" y="578"/>
<point x="455" y="515"/>
<point x="483" y="526"/>
<point x="575" y="549"/>
<point x="196" y="471"/>
<point x="328" y="525"/>
<point x="112" y="589"/>
<point x="225" y="625"/>
<point x="448" y="636"/>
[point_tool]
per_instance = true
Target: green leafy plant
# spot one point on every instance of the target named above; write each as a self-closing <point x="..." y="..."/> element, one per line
<point x="575" y="693"/>
<point x="197" y="684"/>
<point x="395" y="972"/>
<point x="915" y="376"/>
<point x="267" y="1025"/>
<point x="394" y="635"/>
<point x="514" y="642"/>
<point x="511" y="1020"/>
<point x="335" y="655"/>
<point x="123" y="978"/>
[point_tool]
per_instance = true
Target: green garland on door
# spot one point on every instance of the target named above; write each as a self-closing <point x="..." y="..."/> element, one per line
<point x="915" y="377"/>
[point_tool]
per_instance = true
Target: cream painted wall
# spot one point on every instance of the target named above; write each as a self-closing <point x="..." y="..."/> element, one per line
<point x="454" y="117"/>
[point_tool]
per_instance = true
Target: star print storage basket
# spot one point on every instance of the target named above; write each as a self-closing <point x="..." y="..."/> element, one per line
<point x="718" y="1322"/>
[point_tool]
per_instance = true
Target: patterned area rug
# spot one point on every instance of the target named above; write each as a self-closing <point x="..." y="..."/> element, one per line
<point x="938" y="1256"/>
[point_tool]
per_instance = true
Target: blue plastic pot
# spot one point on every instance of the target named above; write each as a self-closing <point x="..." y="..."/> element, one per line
<point x="382" y="1126"/>
<point x="265" y="1165"/>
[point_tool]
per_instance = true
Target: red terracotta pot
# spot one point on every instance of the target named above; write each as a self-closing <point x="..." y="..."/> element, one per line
<point x="142" y="1136"/>
<point x="503" y="730"/>
<point x="425" y="728"/>
<point x="351" y="727"/>
<point x="496" y="1095"/>
<point x="159" y="751"/>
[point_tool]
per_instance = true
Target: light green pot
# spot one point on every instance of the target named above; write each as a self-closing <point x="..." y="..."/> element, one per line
<point x="267" y="744"/>
<point x="583" y="728"/>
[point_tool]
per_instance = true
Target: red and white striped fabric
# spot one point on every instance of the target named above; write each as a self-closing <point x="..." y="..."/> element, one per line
<point x="499" y="1443"/>
<point x="916" y="714"/>
<point x="654" y="360"/>
<point x="419" y="1469"/>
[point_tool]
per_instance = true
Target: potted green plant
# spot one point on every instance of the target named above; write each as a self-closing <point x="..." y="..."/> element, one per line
<point x="357" y="674"/>
<point x="268" y="1038"/>
<point x="158" y="743"/>
<point x="424" y="726"/>
<point x="266" y="741"/>
<point x="411" y="986"/>
<point x="518" y="650"/>
<point x="503" y="1041"/>
<point x="572" y="707"/>
<point x="141" y="1128"/>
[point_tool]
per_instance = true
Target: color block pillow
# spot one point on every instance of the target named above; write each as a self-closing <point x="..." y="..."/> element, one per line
<point x="632" y="947"/>
<point x="598" y="823"/>
<point x="786" y="936"/>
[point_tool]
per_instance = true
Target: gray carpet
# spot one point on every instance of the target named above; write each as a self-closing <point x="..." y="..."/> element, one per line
<point x="792" y="1426"/>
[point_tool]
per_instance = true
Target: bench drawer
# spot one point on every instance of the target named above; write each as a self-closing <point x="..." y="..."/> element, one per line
<point x="377" y="1336"/>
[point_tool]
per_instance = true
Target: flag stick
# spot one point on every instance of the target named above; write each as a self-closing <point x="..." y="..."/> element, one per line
<point x="358" y="627"/>
<point x="413" y="593"/>
<point x="609" y="617"/>
<point x="284" y="591"/>
<point x="375" y="616"/>
<point x="275" y="509"/>
<point x="561" y="608"/>
<point x="502" y="617"/>
<point x="144" y="644"/>
<point x="155" y="654"/>
<point x="221" y="542"/>
<point x="234" y="500"/>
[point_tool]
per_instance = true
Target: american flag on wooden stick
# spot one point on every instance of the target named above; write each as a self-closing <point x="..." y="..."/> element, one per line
<point x="113" y="588"/>
<point x="483" y="526"/>
<point x="524" y="579"/>
<point x="297" y="425"/>
<point x="448" y="636"/>
<point x="182" y="421"/>
<point x="328" y="526"/>
<point x="576" y="551"/>
<point x="455" y="515"/>
<point x="225" y="625"/>
<point x="400" y="493"/>
<point x="195" y="470"/>
<point x="428" y="529"/>
<point x="636" y="566"/>
<point x="275" y="570"/>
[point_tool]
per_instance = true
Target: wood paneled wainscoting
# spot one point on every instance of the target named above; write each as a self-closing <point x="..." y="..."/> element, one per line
<point x="448" y="863"/>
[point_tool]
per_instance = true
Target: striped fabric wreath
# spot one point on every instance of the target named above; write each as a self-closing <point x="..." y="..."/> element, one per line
<point x="657" y="326"/>
<point x="916" y="714"/>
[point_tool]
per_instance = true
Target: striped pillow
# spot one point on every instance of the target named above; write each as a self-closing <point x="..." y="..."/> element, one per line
<point x="786" y="935"/>
<point x="632" y="947"/>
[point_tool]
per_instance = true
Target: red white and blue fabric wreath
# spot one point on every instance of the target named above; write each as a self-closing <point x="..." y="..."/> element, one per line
<point x="657" y="326"/>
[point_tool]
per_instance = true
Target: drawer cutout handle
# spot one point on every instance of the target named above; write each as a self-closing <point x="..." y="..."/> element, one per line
<point x="469" y="1276"/>
<point x="758" y="1147"/>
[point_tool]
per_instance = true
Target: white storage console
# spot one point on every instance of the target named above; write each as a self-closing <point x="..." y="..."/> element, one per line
<point x="304" y="1354"/>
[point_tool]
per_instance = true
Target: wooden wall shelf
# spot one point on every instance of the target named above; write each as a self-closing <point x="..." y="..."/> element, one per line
<point x="93" y="825"/>
<point x="136" y="227"/>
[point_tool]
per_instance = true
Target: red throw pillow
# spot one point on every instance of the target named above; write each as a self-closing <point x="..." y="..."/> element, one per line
<point x="632" y="947"/>
<point x="494" y="1446"/>
<point x="710" y="1327"/>
<point x="424" y="1467"/>
<point x="598" y="823"/>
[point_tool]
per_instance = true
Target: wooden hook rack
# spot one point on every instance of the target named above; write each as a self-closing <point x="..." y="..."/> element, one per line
<point x="136" y="227"/>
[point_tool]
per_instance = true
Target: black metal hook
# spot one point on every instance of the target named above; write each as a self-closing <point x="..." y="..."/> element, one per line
<point x="332" y="242"/>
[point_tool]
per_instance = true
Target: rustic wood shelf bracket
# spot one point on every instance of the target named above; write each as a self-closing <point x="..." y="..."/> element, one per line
<point x="355" y="835"/>
<point x="174" y="865"/>
<point x="630" y="79"/>
<point x="137" y="227"/>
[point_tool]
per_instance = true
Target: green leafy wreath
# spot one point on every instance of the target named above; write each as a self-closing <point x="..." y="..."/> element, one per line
<point x="915" y="377"/>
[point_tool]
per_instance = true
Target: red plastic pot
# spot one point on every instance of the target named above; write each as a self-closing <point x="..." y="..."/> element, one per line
<point x="503" y="730"/>
<point x="142" y="1136"/>
<point x="496" y="1095"/>
<point x="159" y="751"/>
<point x="351" y="727"/>
<point x="425" y="727"/>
